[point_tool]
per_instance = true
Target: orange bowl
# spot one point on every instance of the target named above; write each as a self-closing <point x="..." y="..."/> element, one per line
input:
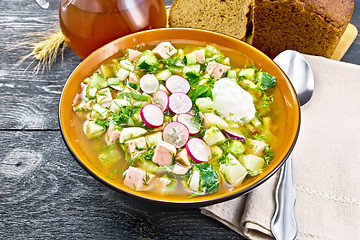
<point x="290" y="124"/>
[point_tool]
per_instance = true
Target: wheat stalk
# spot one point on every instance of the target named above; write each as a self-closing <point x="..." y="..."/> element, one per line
<point x="44" y="49"/>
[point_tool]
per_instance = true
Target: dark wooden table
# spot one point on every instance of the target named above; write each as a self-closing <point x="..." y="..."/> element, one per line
<point x="44" y="193"/>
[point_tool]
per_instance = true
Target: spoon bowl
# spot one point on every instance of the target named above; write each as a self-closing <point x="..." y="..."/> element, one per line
<point x="299" y="72"/>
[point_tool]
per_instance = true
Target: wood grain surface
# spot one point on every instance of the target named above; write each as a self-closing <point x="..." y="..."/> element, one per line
<point x="44" y="193"/>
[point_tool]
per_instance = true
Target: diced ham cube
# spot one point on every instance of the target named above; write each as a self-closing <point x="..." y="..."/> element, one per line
<point x="136" y="146"/>
<point x="200" y="55"/>
<point x="220" y="70"/>
<point x="256" y="147"/>
<point x="164" y="153"/>
<point x="164" y="50"/>
<point x="216" y="70"/>
<point x="103" y="97"/>
<point x="210" y="67"/>
<point x="133" y="54"/>
<point x="138" y="179"/>
<point x="183" y="157"/>
<point x="133" y="78"/>
<point x="112" y="134"/>
<point x="165" y="185"/>
<point x="180" y="169"/>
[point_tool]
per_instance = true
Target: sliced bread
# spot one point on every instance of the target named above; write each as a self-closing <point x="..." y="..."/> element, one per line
<point x="229" y="17"/>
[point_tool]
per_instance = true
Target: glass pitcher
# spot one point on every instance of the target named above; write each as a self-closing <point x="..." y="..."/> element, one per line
<point x="90" y="24"/>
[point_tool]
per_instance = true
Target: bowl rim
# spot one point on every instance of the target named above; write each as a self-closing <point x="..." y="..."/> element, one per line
<point x="195" y="203"/>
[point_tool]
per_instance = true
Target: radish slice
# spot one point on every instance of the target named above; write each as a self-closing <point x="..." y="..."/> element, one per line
<point x="152" y="115"/>
<point x="198" y="150"/>
<point x="176" y="83"/>
<point x="176" y="134"/>
<point x="180" y="103"/>
<point x="188" y="121"/>
<point x="234" y="133"/>
<point x="161" y="99"/>
<point x="149" y="83"/>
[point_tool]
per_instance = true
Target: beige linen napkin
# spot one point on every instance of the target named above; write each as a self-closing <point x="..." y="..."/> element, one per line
<point x="326" y="165"/>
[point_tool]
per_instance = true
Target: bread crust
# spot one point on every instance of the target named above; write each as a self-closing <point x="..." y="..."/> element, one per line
<point x="308" y="26"/>
<point x="336" y="12"/>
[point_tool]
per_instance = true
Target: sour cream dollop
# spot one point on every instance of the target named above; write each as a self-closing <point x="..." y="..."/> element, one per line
<point x="232" y="102"/>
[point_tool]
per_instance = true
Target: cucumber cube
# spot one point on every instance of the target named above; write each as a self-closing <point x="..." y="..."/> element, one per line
<point x="116" y="83"/>
<point x="110" y="158"/>
<point x="130" y="133"/>
<point x="122" y="74"/>
<point x="236" y="148"/>
<point x="97" y="81"/>
<point x="213" y="136"/>
<point x="194" y="180"/>
<point x="149" y="166"/>
<point x="231" y="74"/>
<point x="211" y="50"/>
<point x="192" y="68"/>
<point x="127" y="65"/>
<point x="190" y="59"/>
<point x="103" y="96"/>
<point x="216" y="151"/>
<point x="176" y="70"/>
<point x="216" y="121"/>
<point x="117" y="103"/>
<point x="99" y="112"/>
<point x="93" y="130"/>
<point x="252" y="163"/>
<point x="248" y="73"/>
<point x="91" y="91"/>
<point x="152" y="139"/>
<point x="146" y="60"/>
<point x="205" y="104"/>
<point x="233" y="171"/>
<point x="163" y="75"/>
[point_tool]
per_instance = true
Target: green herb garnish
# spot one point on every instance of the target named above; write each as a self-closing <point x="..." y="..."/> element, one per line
<point x="103" y="123"/>
<point x="123" y="115"/>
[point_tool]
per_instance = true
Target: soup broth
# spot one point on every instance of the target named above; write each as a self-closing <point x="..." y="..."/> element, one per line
<point x="265" y="131"/>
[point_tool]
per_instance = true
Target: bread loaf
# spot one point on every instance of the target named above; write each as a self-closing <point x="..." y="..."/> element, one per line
<point x="308" y="26"/>
<point x="229" y="17"/>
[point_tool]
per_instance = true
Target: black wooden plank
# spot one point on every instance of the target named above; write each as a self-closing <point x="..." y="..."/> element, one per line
<point x="353" y="54"/>
<point x="44" y="193"/>
<point x="29" y="101"/>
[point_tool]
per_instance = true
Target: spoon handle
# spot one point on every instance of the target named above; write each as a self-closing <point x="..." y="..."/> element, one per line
<point x="283" y="223"/>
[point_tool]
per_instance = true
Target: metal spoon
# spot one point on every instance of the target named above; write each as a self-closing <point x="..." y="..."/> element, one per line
<point x="283" y="223"/>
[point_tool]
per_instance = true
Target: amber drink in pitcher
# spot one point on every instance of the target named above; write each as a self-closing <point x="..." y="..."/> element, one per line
<point x="90" y="24"/>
